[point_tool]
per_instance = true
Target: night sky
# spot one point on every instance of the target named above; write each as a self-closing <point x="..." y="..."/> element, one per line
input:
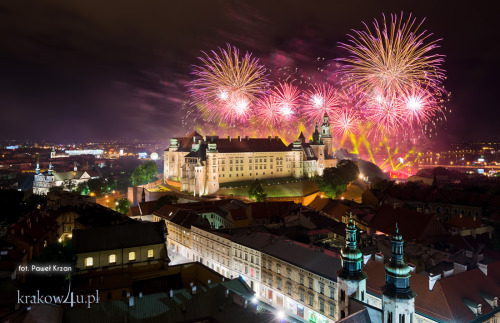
<point x="87" y="70"/>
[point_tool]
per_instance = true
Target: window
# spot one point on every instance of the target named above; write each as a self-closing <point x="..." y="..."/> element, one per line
<point x="263" y="263"/>
<point x="301" y="279"/>
<point x="150" y="253"/>
<point x="89" y="262"/>
<point x="270" y="265"/>
<point x="389" y="317"/>
<point x="322" y="289"/>
<point x="332" y="309"/>
<point x="279" y="269"/>
<point x="332" y="292"/>
<point x="311" y="299"/>
<point x="289" y="289"/>
<point x="342" y="295"/>
<point x="131" y="256"/>
<point x="321" y="305"/>
<point x="289" y="273"/>
<point x="270" y="279"/>
<point x="112" y="259"/>
<point x="279" y="283"/>
<point x="311" y="283"/>
<point x="301" y="295"/>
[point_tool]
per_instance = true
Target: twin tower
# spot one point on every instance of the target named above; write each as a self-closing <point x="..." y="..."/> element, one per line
<point x="398" y="299"/>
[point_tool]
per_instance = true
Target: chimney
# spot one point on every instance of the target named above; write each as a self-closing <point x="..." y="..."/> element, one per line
<point x="193" y="290"/>
<point x="269" y="137"/>
<point x="379" y="257"/>
<point x="483" y="268"/>
<point x="171" y="293"/>
<point x="366" y="258"/>
<point x="131" y="301"/>
<point x="412" y="267"/>
<point x="229" y="138"/>
<point x="227" y="293"/>
<point x="209" y="281"/>
<point x="277" y="137"/>
<point x="246" y="137"/>
<point x="433" y="280"/>
<point x="239" y="138"/>
<point x="140" y="294"/>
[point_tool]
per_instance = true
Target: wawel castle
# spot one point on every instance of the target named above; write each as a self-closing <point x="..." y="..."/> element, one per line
<point x="200" y="163"/>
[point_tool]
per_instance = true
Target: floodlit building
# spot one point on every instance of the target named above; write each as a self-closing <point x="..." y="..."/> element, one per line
<point x="42" y="183"/>
<point x="200" y="163"/>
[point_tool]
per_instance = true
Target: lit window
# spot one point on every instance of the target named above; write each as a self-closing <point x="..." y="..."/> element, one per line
<point x="131" y="256"/>
<point x="112" y="259"/>
<point x="150" y="253"/>
<point x="89" y="262"/>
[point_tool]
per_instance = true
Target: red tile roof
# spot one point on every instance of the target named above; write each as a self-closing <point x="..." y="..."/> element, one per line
<point x="446" y="300"/>
<point x="411" y="224"/>
<point x="465" y="222"/>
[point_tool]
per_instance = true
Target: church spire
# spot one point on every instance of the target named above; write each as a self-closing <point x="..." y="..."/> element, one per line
<point x="352" y="258"/>
<point x="397" y="272"/>
<point x="50" y="169"/>
<point x="37" y="169"/>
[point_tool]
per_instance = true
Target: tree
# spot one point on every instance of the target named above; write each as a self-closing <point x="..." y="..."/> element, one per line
<point x="56" y="189"/>
<point x="95" y="186"/>
<point x="256" y="192"/>
<point x="144" y="173"/>
<point x="335" y="179"/>
<point x="165" y="199"/>
<point x="123" y="206"/>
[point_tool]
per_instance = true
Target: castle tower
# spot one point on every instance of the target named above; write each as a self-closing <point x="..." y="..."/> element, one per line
<point x="326" y="135"/>
<point x="398" y="299"/>
<point x="171" y="161"/>
<point x="351" y="280"/>
<point x="37" y="170"/>
<point x="297" y="160"/>
<point x="318" y="148"/>
<point x="212" y="185"/>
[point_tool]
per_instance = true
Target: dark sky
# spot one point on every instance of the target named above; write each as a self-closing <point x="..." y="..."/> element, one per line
<point x="80" y="70"/>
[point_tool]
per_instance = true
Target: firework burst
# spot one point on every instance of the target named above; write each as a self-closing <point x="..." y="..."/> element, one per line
<point x="287" y="97"/>
<point x="319" y="100"/>
<point x="393" y="56"/>
<point x="346" y="122"/>
<point x="227" y="84"/>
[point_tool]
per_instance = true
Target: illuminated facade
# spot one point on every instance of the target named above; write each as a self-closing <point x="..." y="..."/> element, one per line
<point x="200" y="163"/>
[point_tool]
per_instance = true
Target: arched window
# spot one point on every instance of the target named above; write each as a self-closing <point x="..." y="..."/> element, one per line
<point x="112" y="259"/>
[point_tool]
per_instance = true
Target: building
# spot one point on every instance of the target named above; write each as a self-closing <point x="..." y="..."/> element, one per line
<point x="42" y="183"/>
<point x="129" y="247"/>
<point x="213" y="249"/>
<point x="351" y="281"/>
<point x="179" y="223"/>
<point x="222" y="302"/>
<point x="200" y="163"/>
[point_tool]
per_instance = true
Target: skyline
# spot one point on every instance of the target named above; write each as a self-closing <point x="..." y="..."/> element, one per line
<point x="128" y="68"/>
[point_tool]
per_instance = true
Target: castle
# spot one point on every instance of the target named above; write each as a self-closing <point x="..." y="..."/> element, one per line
<point x="200" y="163"/>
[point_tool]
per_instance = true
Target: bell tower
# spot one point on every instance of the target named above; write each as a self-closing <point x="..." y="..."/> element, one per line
<point x="398" y="299"/>
<point x="351" y="280"/>
<point x="326" y="135"/>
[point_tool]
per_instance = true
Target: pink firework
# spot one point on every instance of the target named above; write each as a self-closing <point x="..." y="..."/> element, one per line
<point x="346" y="122"/>
<point x="227" y="84"/>
<point x="320" y="100"/>
<point x="419" y="105"/>
<point x="286" y="97"/>
<point x="385" y="113"/>
<point x="269" y="112"/>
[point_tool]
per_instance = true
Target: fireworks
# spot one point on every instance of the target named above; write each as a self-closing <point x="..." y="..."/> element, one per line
<point x="227" y="84"/>
<point x="387" y="88"/>
<point x="345" y="122"/>
<point x="393" y="67"/>
<point x="286" y="97"/>
<point x="319" y="100"/>
<point x="393" y="57"/>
